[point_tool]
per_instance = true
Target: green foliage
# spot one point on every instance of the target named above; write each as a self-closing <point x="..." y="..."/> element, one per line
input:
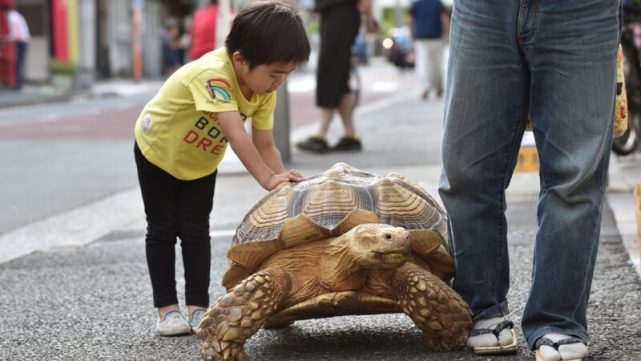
<point x="313" y="27"/>
<point x="388" y="20"/>
<point x="57" y="67"/>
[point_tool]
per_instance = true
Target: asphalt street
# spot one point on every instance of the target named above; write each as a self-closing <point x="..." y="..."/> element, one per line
<point x="93" y="302"/>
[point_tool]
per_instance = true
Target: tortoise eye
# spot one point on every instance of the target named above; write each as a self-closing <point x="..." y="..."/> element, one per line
<point x="388" y="236"/>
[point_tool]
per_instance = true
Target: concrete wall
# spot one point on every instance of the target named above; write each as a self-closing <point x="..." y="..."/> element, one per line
<point x="151" y="23"/>
<point x="87" y="36"/>
<point x="37" y="16"/>
<point x="120" y="38"/>
<point x="119" y="35"/>
<point x="36" y="62"/>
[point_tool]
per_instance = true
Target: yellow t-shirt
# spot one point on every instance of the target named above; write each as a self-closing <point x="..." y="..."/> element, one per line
<point x="178" y="130"/>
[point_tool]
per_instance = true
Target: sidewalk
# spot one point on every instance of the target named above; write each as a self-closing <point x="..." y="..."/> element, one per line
<point x="91" y="301"/>
<point x="33" y="94"/>
<point x="625" y="173"/>
<point x="30" y="95"/>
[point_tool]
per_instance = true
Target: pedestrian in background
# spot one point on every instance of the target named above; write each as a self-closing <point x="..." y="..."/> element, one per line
<point x="203" y="30"/>
<point x="182" y="135"/>
<point x="556" y="61"/>
<point x="18" y="34"/>
<point x="170" y="46"/>
<point x="183" y="43"/>
<point x="429" y="21"/>
<point x="339" y="24"/>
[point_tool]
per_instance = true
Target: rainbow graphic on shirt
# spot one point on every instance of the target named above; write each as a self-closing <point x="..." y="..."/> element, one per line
<point x="219" y="89"/>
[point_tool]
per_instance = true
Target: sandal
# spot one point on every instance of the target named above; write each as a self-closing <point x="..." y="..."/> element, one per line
<point x="314" y="144"/>
<point x="543" y="341"/>
<point x="498" y="349"/>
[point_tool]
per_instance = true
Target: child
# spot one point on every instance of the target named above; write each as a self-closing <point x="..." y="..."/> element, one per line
<point x="182" y="134"/>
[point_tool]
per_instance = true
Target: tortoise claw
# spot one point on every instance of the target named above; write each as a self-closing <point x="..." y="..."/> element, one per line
<point x="241" y="313"/>
<point x="223" y="351"/>
<point x="434" y="307"/>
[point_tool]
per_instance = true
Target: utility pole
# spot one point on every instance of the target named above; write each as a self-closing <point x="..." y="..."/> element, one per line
<point x="223" y="25"/>
<point x="136" y="43"/>
<point x="281" y="123"/>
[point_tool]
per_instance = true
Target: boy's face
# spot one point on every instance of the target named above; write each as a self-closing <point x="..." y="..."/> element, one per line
<point x="266" y="78"/>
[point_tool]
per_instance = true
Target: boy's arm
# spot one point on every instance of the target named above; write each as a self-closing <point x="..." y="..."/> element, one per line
<point x="264" y="142"/>
<point x="232" y="126"/>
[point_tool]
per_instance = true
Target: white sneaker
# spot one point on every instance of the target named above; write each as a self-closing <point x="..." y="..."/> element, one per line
<point x="196" y="317"/>
<point x="174" y="324"/>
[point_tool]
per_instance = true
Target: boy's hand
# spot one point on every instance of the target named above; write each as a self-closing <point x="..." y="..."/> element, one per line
<point x="295" y="176"/>
<point x="291" y="175"/>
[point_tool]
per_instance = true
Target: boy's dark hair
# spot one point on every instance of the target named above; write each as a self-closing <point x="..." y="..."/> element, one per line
<point x="268" y="32"/>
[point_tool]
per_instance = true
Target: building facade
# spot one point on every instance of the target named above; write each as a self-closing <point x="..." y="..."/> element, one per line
<point x="97" y="37"/>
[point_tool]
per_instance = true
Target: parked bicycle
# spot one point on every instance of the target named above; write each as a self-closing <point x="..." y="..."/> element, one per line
<point x="629" y="141"/>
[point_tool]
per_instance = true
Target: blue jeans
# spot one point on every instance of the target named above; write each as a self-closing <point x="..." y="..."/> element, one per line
<point x="21" y="53"/>
<point x="553" y="62"/>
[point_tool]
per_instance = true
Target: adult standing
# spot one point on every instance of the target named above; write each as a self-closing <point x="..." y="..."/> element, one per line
<point x="340" y="22"/>
<point x="170" y="44"/>
<point x="554" y="61"/>
<point x="18" y="34"/>
<point x="203" y="30"/>
<point x="429" y="20"/>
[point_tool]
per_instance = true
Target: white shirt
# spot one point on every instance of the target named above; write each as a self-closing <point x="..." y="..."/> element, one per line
<point x="18" y="28"/>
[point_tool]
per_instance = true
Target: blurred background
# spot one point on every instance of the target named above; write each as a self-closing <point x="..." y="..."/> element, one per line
<point x="77" y="42"/>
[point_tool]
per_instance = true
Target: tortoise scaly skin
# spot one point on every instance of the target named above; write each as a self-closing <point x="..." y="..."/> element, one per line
<point x="329" y="252"/>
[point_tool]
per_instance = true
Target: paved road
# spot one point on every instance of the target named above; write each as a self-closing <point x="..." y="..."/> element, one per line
<point x="93" y="302"/>
<point x="61" y="156"/>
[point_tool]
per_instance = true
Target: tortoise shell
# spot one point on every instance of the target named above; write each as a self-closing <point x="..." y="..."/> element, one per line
<point x="332" y="203"/>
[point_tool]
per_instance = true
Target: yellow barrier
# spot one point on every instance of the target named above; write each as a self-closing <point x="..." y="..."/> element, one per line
<point x="528" y="159"/>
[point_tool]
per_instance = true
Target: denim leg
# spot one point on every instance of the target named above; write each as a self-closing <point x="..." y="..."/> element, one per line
<point x="21" y="52"/>
<point x="422" y="63"/>
<point x="485" y="111"/>
<point x="571" y="52"/>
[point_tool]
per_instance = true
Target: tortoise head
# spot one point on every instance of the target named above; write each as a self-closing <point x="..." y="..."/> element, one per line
<point x="379" y="245"/>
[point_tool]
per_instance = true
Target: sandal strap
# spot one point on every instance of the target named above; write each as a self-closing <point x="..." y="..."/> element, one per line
<point x="544" y="341"/>
<point x="495" y="331"/>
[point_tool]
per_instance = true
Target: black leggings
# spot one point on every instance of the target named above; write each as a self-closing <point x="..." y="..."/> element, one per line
<point x="176" y="208"/>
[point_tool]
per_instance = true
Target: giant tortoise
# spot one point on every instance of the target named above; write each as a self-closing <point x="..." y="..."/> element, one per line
<point x="343" y="242"/>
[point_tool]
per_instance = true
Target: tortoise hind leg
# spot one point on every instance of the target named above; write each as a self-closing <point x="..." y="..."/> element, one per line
<point x="241" y="313"/>
<point x="433" y="306"/>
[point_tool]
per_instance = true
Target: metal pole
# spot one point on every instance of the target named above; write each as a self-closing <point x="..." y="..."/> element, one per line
<point x="223" y="24"/>
<point x="137" y="6"/>
<point x="281" y="123"/>
<point x="398" y="14"/>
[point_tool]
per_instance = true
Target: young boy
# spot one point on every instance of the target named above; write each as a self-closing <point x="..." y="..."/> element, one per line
<point x="183" y="132"/>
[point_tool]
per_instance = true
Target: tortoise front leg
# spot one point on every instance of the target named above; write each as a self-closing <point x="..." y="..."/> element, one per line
<point x="241" y="313"/>
<point x="433" y="306"/>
